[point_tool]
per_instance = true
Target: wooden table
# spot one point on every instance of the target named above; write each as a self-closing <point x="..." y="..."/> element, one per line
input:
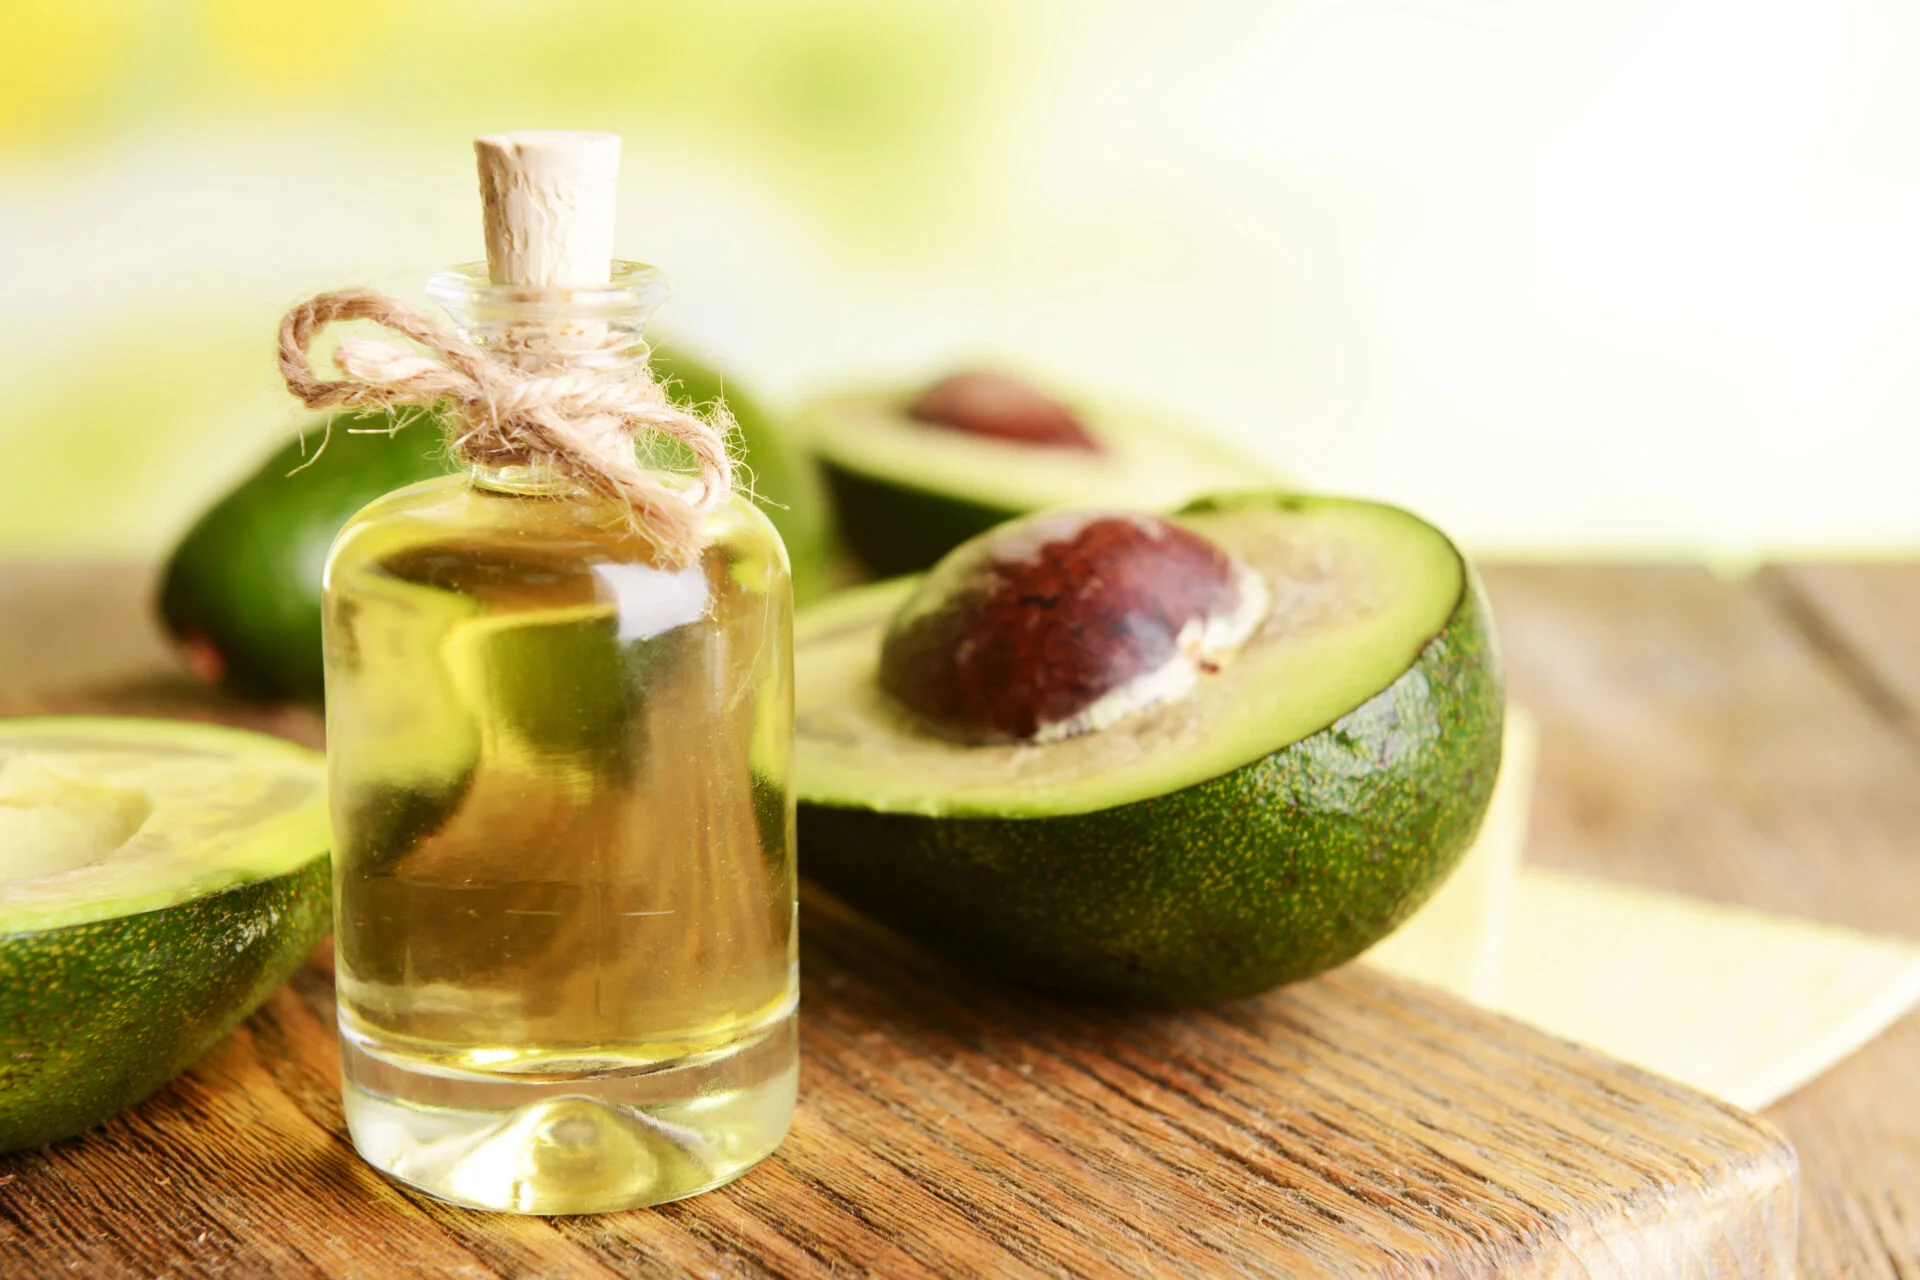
<point x="1754" y="741"/>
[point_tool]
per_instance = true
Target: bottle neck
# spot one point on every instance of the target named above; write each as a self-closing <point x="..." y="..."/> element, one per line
<point x="538" y="480"/>
<point x="523" y="480"/>
<point x="545" y="329"/>
<point x="550" y="331"/>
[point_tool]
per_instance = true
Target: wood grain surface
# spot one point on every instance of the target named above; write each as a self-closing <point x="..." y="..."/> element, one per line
<point x="1751" y="742"/>
<point x="1710" y="736"/>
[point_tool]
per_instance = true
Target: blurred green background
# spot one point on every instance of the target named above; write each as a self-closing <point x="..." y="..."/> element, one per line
<point x="1581" y="278"/>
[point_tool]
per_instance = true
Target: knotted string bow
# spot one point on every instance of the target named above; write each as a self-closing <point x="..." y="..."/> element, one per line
<point x="583" y="422"/>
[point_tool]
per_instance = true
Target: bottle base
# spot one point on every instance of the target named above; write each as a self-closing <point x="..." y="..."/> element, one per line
<point x="599" y="1137"/>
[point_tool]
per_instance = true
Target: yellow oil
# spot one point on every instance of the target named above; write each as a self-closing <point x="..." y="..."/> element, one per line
<point x="564" y="871"/>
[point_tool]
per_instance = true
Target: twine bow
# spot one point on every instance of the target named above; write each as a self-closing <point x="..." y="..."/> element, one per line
<point x="583" y="422"/>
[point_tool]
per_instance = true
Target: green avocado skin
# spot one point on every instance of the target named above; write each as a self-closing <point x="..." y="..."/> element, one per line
<point x="895" y="529"/>
<point x="95" y="1017"/>
<point x="245" y="580"/>
<point x="1276" y="871"/>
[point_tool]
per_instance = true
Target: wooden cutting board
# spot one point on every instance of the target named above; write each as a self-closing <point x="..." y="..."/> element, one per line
<point x="1347" y="1127"/>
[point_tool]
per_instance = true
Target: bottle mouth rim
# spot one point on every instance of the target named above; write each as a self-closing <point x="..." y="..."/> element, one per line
<point x="632" y="288"/>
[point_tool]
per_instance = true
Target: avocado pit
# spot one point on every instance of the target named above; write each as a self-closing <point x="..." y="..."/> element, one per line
<point x="981" y="403"/>
<point x="1067" y="623"/>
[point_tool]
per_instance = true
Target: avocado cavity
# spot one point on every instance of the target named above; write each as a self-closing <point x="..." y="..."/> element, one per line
<point x="53" y="821"/>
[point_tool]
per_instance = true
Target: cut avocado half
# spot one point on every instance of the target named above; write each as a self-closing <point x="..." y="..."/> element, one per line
<point x="907" y="491"/>
<point x="157" y="881"/>
<point x="1275" y="819"/>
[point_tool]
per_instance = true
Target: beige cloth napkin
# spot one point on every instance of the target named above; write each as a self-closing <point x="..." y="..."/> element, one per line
<point x="1740" y="1004"/>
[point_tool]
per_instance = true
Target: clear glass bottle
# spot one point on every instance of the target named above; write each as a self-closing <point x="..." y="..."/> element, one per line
<point x="564" y="862"/>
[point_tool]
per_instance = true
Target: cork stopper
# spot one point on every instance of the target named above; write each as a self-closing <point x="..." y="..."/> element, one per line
<point x="548" y="200"/>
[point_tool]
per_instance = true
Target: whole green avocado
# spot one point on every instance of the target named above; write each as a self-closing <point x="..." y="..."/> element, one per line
<point x="241" y="591"/>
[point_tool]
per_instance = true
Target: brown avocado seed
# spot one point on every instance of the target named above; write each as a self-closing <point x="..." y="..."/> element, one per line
<point x="1064" y="623"/>
<point x="978" y="403"/>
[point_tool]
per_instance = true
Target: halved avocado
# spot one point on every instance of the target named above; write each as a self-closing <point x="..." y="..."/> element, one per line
<point x="1274" y="820"/>
<point x="157" y="881"/>
<point x="242" y="589"/>
<point x="907" y="489"/>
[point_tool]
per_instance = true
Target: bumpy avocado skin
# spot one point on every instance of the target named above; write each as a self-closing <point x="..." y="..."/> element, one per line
<point x="893" y="528"/>
<point x="1283" y="868"/>
<point x="95" y="1017"/>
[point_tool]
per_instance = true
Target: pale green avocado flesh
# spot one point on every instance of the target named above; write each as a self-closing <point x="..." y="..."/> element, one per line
<point x="1276" y="821"/>
<point x="157" y="881"/>
<point x="906" y="492"/>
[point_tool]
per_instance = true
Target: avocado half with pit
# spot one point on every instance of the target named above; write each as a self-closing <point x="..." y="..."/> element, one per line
<point x="241" y="591"/>
<point x="916" y="473"/>
<point x="1169" y="761"/>
<point x="157" y="881"/>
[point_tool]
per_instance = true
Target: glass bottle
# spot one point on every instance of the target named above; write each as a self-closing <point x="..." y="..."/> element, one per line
<point x="564" y="860"/>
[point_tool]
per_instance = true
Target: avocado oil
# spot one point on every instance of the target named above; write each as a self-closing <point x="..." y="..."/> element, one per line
<point x="563" y="818"/>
